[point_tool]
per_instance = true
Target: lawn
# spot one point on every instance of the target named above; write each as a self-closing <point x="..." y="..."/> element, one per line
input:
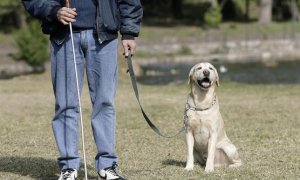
<point x="261" y="120"/>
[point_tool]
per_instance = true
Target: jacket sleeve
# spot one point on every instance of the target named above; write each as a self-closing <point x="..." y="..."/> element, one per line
<point x="44" y="10"/>
<point x="131" y="13"/>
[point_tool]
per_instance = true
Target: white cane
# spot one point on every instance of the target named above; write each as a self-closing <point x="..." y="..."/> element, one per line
<point x="78" y="94"/>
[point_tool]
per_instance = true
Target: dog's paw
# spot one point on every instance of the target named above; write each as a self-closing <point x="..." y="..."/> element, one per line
<point x="209" y="169"/>
<point x="189" y="168"/>
<point x="235" y="165"/>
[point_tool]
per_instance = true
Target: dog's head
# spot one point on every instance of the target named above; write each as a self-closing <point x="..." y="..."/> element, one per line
<point x="204" y="75"/>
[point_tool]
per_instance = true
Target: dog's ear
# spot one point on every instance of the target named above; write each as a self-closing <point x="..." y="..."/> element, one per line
<point x="191" y="75"/>
<point x="217" y="76"/>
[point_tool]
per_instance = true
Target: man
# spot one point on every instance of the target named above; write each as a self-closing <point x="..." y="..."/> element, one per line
<point x="95" y="24"/>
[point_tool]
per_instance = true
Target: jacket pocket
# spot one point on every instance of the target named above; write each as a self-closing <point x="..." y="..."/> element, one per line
<point x="59" y="36"/>
<point x="110" y="15"/>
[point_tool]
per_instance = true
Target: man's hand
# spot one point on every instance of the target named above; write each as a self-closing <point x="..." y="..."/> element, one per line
<point x="66" y="15"/>
<point x="128" y="45"/>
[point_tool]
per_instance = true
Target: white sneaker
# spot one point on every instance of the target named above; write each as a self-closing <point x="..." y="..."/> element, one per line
<point x="110" y="173"/>
<point x="68" y="174"/>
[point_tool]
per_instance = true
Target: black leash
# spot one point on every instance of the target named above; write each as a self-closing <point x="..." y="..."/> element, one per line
<point x="136" y="92"/>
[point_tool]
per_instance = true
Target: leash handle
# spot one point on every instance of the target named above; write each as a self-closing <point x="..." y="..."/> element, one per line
<point x="136" y="92"/>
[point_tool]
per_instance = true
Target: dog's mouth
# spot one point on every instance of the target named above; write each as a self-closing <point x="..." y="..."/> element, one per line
<point x="204" y="83"/>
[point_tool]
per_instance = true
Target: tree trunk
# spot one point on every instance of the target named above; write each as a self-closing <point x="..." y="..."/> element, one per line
<point x="265" y="14"/>
<point x="222" y="4"/>
<point x="295" y="12"/>
<point x="177" y="8"/>
<point x="19" y="16"/>
<point x="214" y="3"/>
<point x="247" y="10"/>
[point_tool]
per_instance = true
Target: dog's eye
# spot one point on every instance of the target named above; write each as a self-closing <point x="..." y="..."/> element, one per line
<point x="210" y="68"/>
<point x="199" y="68"/>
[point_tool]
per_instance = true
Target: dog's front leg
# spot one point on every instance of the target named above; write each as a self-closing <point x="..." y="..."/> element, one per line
<point x="211" y="152"/>
<point x="190" y="148"/>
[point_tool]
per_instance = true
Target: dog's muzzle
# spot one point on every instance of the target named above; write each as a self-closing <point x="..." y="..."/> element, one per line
<point x="204" y="83"/>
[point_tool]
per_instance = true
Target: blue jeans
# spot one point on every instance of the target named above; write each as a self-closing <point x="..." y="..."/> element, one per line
<point x="102" y="75"/>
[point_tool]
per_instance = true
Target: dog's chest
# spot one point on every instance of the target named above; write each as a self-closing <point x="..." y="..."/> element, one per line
<point x="198" y="120"/>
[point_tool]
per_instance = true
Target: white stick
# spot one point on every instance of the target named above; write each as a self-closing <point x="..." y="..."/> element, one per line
<point x="79" y="102"/>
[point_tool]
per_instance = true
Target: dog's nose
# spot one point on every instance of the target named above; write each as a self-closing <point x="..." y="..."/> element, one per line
<point x="206" y="72"/>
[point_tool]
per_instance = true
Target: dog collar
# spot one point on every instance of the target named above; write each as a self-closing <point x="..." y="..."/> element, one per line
<point x="189" y="107"/>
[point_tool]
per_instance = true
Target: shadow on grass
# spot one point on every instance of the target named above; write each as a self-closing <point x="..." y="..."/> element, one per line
<point x="173" y="162"/>
<point x="34" y="167"/>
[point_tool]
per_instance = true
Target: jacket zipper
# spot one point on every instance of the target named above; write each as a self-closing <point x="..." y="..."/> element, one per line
<point x="97" y="23"/>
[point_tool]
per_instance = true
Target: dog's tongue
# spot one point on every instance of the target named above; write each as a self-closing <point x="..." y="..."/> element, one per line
<point x="205" y="84"/>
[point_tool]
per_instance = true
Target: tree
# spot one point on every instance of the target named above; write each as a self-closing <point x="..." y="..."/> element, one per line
<point x="213" y="16"/>
<point x="295" y="11"/>
<point x="247" y="10"/>
<point x="12" y="10"/>
<point x="33" y="46"/>
<point x="265" y="13"/>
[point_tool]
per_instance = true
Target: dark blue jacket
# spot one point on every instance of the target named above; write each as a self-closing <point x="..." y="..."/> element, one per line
<point x="112" y="16"/>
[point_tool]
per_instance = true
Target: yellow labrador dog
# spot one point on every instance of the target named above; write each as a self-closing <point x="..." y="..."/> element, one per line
<point x="206" y="139"/>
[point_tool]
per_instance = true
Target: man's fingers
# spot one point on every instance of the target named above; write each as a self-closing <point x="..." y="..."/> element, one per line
<point x="132" y="51"/>
<point x="132" y="47"/>
<point x="64" y="22"/>
<point x="66" y="15"/>
<point x="71" y="11"/>
<point x="126" y="51"/>
<point x="69" y="19"/>
<point x="66" y="11"/>
<point x="129" y="46"/>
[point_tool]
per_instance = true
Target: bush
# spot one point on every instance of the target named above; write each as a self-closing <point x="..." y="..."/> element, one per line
<point x="33" y="46"/>
<point x="213" y="17"/>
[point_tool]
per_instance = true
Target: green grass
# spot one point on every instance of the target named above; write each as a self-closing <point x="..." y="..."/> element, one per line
<point x="261" y="120"/>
